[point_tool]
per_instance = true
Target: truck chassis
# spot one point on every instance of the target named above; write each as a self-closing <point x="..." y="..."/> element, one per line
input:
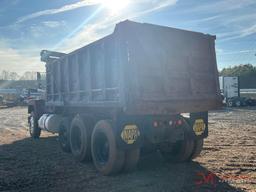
<point x="115" y="141"/>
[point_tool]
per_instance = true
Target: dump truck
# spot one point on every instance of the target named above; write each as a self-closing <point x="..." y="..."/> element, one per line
<point x="142" y="87"/>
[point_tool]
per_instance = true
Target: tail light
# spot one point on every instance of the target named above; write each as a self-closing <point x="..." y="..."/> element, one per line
<point x="177" y="122"/>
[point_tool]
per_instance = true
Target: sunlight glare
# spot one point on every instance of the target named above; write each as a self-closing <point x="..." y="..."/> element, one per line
<point x="115" y="6"/>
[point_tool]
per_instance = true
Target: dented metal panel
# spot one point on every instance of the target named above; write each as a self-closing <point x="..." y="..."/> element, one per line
<point x="141" y="69"/>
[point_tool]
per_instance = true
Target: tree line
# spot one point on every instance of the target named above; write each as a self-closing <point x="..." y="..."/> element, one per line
<point x="239" y="70"/>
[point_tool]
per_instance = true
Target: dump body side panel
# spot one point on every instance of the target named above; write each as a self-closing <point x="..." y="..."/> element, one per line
<point x="87" y="77"/>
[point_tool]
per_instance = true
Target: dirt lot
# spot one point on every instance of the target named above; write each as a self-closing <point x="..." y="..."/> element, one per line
<point x="228" y="162"/>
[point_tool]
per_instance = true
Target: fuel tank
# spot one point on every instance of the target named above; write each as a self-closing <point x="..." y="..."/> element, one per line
<point x="50" y="122"/>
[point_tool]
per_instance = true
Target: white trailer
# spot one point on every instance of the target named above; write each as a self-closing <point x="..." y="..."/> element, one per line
<point x="229" y="86"/>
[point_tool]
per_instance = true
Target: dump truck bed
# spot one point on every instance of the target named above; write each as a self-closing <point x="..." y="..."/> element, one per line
<point x="140" y="69"/>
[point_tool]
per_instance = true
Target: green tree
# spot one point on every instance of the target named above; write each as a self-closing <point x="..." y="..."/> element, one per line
<point x="239" y="70"/>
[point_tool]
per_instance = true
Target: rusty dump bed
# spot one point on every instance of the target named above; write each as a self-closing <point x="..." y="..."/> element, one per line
<point x="139" y="69"/>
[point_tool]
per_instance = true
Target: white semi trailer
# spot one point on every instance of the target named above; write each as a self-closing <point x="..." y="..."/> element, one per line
<point x="229" y="86"/>
<point x="230" y="89"/>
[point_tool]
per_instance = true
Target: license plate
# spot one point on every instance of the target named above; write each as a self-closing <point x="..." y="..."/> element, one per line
<point x="130" y="134"/>
<point x="199" y="126"/>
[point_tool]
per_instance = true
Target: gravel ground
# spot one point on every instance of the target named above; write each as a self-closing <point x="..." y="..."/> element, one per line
<point x="227" y="163"/>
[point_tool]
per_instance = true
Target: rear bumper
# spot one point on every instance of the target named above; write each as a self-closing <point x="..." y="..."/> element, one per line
<point x="157" y="129"/>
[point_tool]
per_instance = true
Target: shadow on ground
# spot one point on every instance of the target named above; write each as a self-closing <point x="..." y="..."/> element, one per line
<point x="40" y="165"/>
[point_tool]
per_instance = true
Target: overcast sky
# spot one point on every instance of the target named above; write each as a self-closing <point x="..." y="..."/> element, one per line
<point x="28" y="26"/>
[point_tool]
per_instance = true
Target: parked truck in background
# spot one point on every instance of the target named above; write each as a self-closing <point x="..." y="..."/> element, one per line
<point x="9" y="97"/>
<point x="230" y="89"/>
<point x="229" y="86"/>
<point x="127" y="92"/>
<point x="31" y="94"/>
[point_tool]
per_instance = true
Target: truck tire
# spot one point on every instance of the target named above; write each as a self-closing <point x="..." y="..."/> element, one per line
<point x="107" y="158"/>
<point x="34" y="129"/>
<point x="198" y="146"/>
<point x="80" y="139"/>
<point x="131" y="159"/>
<point x="64" y="135"/>
<point x="181" y="151"/>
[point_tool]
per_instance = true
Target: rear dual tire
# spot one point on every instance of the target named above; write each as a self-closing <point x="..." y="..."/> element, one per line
<point x="179" y="152"/>
<point x="198" y="147"/>
<point x="80" y="138"/>
<point x="185" y="150"/>
<point x="99" y="145"/>
<point x="107" y="157"/>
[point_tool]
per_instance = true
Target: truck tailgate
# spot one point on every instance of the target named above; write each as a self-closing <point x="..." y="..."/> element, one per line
<point x="171" y="70"/>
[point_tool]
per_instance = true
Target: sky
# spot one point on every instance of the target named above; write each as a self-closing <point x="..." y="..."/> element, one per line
<point x="29" y="26"/>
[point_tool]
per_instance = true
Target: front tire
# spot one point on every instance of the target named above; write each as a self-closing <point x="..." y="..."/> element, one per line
<point x="34" y="129"/>
<point x="64" y="135"/>
<point x="107" y="158"/>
